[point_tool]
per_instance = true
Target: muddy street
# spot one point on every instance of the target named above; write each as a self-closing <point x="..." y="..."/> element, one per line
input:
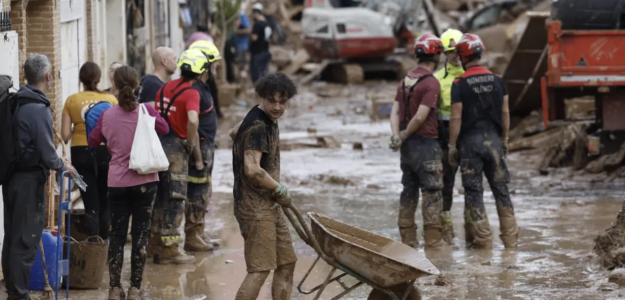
<point x="338" y="164"/>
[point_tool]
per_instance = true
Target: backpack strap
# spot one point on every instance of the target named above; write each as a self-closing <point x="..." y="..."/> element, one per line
<point x="164" y="112"/>
<point x="406" y="97"/>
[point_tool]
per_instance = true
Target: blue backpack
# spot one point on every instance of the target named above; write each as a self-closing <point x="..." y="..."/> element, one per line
<point x="93" y="113"/>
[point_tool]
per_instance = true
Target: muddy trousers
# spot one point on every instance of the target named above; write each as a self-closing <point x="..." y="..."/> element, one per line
<point x="482" y="153"/>
<point x="198" y="191"/>
<point x="23" y="199"/>
<point x="171" y="195"/>
<point x="135" y="201"/>
<point x="281" y="287"/>
<point x="422" y="171"/>
<point x="94" y="168"/>
<point x="449" y="172"/>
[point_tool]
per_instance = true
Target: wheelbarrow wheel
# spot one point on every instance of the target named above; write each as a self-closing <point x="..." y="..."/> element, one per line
<point x="398" y="290"/>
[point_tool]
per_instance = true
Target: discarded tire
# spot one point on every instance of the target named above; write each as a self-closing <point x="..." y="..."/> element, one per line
<point x="586" y="14"/>
<point x="87" y="263"/>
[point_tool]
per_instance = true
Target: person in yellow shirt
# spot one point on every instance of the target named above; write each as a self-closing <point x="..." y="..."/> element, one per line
<point x="93" y="166"/>
<point x="453" y="68"/>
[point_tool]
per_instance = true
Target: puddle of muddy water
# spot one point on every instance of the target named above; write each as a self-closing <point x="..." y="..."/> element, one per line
<point x="550" y="262"/>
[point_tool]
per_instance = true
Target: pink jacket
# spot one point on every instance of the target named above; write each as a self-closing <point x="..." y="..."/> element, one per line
<point x="117" y="127"/>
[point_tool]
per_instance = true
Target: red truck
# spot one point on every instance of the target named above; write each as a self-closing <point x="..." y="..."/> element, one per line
<point x="586" y="63"/>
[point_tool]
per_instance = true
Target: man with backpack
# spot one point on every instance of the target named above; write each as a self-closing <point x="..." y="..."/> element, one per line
<point x="27" y="154"/>
<point x="414" y="121"/>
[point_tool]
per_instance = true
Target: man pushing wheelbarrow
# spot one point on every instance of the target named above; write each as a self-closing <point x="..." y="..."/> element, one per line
<point x="390" y="267"/>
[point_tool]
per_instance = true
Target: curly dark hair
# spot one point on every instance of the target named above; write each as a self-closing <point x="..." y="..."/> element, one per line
<point x="276" y="85"/>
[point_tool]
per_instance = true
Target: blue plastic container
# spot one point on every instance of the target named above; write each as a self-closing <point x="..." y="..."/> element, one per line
<point x="37" y="281"/>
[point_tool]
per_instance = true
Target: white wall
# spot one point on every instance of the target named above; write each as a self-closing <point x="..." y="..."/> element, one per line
<point x="175" y="31"/>
<point x="73" y="45"/>
<point x="98" y="35"/>
<point x="10" y="66"/>
<point x="115" y="33"/>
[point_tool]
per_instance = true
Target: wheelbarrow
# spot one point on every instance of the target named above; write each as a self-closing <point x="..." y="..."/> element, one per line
<point x="380" y="262"/>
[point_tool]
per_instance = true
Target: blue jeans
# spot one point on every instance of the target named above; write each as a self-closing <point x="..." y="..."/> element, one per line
<point x="259" y="65"/>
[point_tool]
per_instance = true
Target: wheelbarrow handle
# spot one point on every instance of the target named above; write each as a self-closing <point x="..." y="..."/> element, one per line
<point x="304" y="231"/>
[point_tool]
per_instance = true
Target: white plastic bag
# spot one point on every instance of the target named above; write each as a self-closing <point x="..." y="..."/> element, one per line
<point x="147" y="155"/>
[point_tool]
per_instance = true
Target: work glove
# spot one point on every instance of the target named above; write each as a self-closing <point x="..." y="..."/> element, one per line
<point x="453" y="156"/>
<point x="397" y="140"/>
<point x="504" y="143"/>
<point x="282" y="196"/>
<point x="188" y="146"/>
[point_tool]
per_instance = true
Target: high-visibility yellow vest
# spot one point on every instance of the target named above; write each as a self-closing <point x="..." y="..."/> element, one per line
<point x="444" y="108"/>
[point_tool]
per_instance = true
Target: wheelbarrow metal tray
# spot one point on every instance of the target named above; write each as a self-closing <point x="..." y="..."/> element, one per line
<point x="382" y="260"/>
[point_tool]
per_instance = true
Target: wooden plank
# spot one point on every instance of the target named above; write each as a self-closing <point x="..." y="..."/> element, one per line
<point x="299" y="60"/>
<point x="315" y="73"/>
<point x="295" y="10"/>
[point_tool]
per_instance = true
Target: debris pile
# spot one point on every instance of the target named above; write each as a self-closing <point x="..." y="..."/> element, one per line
<point x="610" y="246"/>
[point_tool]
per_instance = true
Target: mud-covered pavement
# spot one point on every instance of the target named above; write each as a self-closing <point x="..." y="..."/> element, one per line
<point x="559" y="216"/>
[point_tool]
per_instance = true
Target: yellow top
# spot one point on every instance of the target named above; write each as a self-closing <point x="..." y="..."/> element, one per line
<point x="453" y="72"/>
<point x="76" y="106"/>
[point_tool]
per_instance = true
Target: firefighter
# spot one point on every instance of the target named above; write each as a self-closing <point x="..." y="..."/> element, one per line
<point x="414" y="122"/>
<point x="179" y="104"/>
<point x="199" y="187"/>
<point x="480" y="121"/>
<point x="452" y="70"/>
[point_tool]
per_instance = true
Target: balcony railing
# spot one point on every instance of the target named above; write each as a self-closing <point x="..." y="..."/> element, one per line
<point x="5" y="21"/>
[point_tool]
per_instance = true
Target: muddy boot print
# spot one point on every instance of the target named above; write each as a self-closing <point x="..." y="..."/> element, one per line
<point x="409" y="236"/>
<point x="483" y="237"/>
<point x="508" y="227"/>
<point x="172" y="255"/>
<point x="116" y="293"/>
<point x="448" y="227"/>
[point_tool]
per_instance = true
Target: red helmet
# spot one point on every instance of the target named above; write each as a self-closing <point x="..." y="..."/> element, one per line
<point x="428" y="44"/>
<point x="469" y="44"/>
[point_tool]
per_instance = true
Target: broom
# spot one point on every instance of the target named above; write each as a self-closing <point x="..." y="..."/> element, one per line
<point x="48" y="292"/>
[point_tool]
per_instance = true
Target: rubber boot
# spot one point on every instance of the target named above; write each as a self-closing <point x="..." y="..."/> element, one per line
<point x="448" y="227"/>
<point x="154" y="243"/>
<point x="409" y="236"/>
<point x="210" y="241"/>
<point x="508" y="227"/>
<point x="194" y="241"/>
<point x="116" y="293"/>
<point x="433" y="238"/>
<point x="172" y="255"/>
<point x="469" y="234"/>
<point x="482" y="236"/>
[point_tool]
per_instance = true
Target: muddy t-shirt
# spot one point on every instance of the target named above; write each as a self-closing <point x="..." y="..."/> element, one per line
<point x="257" y="132"/>
<point x="427" y="92"/>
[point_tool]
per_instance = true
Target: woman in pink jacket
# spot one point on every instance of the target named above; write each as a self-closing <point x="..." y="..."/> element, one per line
<point x="130" y="193"/>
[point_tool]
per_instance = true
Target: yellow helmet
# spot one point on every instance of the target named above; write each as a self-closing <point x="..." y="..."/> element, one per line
<point x="449" y="36"/>
<point x="209" y="49"/>
<point x="193" y="60"/>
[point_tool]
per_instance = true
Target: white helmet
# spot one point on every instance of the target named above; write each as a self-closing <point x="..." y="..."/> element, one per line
<point x="258" y="6"/>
